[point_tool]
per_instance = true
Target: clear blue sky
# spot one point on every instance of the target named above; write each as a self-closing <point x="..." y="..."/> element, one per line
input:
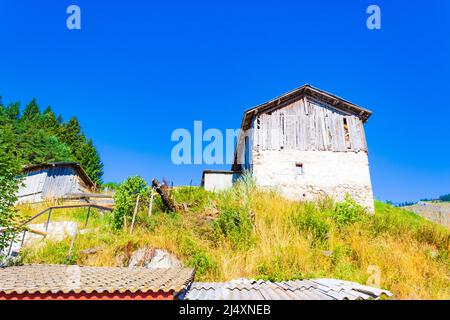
<point x="140" y="69"/>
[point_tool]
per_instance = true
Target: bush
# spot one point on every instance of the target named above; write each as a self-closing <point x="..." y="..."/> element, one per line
<point x="125" y="199"/>
<point x="348" y="212"/>
<point x="10" y="168"/>
<point x="202" y="263"/>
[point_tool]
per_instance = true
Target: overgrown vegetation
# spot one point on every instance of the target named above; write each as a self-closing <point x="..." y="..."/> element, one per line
<point x="10" y="167"/>
<point x="245" y="232"/>
<point x="125" y="199"/>
<point x="41" y="137"/>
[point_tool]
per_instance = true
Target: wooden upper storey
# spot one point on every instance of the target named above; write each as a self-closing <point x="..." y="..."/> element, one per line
<point x="306" y="119"/>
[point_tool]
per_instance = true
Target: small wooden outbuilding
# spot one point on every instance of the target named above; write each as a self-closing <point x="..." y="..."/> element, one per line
<point x="52" y="181"/>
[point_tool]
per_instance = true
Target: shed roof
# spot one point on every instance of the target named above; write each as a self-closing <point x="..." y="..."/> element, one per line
<point x="52" y="279"/>
<point x="75" y="165"/>
<point x="317" y="289"/>
<point x="329" y="98"/>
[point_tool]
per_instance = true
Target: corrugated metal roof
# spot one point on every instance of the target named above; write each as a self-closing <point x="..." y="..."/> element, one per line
<point x="316" y="289"/>
<point x="75" y="279"/>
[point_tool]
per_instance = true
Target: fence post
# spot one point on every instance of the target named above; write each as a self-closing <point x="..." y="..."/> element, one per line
<point x="150" y="206"/>
<point x="71" y="244"/>
<point x="87" y="217"/>
<point x="11" y="245"/>
<point x="134" y="214"/>
<point x="48" y="219"/>
<point x="23" y="238"/>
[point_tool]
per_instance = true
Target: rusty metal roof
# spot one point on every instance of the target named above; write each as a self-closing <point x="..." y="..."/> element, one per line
<point x="317" y="289"/>
<point x="77" y="279"/>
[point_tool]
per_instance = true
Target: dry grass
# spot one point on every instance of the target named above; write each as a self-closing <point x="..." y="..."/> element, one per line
<point x="285" y="240"/>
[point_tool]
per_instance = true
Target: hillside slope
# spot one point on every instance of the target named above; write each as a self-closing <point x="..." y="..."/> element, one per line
<point x="245" y="232"/>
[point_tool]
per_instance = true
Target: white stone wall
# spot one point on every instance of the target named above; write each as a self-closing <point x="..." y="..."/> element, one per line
<point x="325" y="173"/>
<point x="218" y="181"/>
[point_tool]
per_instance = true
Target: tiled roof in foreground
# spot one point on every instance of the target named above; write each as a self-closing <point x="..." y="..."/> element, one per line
<point x="82" y="279"/>
<point x="317" y="289"/>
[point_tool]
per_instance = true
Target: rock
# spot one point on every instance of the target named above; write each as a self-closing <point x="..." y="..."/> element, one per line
<point x="140" y="257"/>
<point x="163" y="259"/>
<point x="120" y="260"/>
<point x="153" y="259"/>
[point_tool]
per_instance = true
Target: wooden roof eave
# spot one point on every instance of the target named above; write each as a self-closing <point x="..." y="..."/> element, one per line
<point x="279" y="102"/>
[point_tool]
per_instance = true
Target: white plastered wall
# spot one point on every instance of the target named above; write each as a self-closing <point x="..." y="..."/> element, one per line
<point x="325" y="173"/>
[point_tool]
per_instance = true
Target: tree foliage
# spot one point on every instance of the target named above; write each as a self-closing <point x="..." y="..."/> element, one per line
<point x="41" y="137"/>
<point x="10" y="167"/>
<point x="125" y="198"/>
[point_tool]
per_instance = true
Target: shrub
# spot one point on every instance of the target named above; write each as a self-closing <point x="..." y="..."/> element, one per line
<point x="202" y="263"/>
<point x="125" y="199"/>
<point x="348" y="211"/>
<point x="10" y="168"/>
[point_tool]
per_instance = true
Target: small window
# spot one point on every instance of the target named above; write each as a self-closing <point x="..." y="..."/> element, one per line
<point x="346" y="134"/>
<point x="299" y="168"/>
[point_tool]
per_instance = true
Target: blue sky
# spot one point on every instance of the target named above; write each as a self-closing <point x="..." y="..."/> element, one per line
<point x="137" y="70"/>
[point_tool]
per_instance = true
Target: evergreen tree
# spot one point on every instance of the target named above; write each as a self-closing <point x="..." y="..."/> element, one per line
<point x="12" y="111"/>
<point x="31" y="112"/>
<point x="89" y="159"/>
<point x="71" y="134"/>
<point x="50" y="122"/>
<point x="41" y="138"/>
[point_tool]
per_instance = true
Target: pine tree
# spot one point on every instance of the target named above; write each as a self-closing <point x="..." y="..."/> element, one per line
<point x="12" y="111"/>
<point x="41" y="138"/>
<point x="71" y="134"/>
<point x="89" y="159"/>
<point x="50" y="122"/>
<point x="31" y="112"/>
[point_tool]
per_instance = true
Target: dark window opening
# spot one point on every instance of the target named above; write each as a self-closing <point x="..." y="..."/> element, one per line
<point x="299" y="168"/>
<point x="346" y="134"/>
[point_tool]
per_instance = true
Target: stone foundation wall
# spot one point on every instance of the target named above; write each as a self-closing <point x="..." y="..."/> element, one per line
<point x="309" y="175"/>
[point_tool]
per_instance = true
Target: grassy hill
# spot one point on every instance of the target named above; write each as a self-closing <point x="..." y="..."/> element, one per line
<point x="435" y="211"/>
<point x="245" y="232"/>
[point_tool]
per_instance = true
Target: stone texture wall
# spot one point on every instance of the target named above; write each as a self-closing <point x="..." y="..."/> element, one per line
<point x="309" y="175"/>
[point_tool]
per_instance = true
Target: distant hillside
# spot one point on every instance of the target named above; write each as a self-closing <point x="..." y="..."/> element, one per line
<point x="42" y="137"/>
<point x="438" y="212"/>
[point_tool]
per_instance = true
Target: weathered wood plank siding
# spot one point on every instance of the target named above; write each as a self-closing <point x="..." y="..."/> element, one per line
<point x="61" y="181"/>
<point x="51" y="182"/>
<point x="308" y="125"/>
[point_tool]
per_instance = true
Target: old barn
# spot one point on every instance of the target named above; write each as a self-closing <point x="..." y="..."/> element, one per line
<point x="52" y="181"/>
<point x="307" y="144"/>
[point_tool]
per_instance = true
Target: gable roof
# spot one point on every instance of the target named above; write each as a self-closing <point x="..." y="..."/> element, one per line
<point x="326" y="97"/>
<point x="76" y="166"/>
<point x="46" y="279"/>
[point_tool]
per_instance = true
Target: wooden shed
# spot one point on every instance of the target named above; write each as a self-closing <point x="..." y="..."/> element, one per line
<point x="52" y="181"/>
